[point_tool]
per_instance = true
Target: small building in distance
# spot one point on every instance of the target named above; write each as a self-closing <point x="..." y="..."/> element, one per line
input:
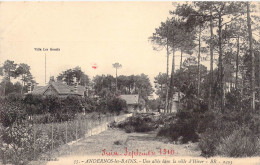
<point x="59" y="89"/>
<point x="134" y="103"/>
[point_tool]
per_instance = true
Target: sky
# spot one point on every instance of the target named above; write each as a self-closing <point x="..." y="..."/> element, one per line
<point x="87" y="34"/>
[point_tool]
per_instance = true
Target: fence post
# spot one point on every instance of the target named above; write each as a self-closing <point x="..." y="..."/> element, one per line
<point x="91" y="123"/>
<point x="100" y="123"/>
<point x="106" y="122"/>
<point x="34" y="141"/>
<point x="87" y="126"/>
<point x="76" y="130"/>
<point x="52" y="136"/>
<point x="114" y="119"/>
<point x="84" y="128"/>
<point x="58" y="132"/>
<point x="66" y="131"/>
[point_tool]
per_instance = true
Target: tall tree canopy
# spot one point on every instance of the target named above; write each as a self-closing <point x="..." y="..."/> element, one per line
<point x="70" y="75"/>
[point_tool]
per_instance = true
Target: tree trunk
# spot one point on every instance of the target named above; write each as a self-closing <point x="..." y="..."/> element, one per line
<point x="220" y="65"/>
<point x="237" y="62"/>
<point x="251" y="54"/>
<point x="180" y="76"/>
<point x="199" y="63"/>
<point x="167" y="72"/>
<point x="211" y="105"/>
<point x="172" y="81"/>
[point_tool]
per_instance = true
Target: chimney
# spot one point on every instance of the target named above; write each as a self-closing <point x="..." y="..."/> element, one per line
<point x="51" y="79"/>
<point x="76" y="87"/>
<point x="29" y="87"/>
<point x="86" y="91"/>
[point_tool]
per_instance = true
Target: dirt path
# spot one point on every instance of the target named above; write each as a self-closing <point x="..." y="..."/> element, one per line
<point x="117" y="140"/>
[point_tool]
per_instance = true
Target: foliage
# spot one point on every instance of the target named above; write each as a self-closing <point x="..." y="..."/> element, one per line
<point x="186" y="78"/>
<point x="232" y="134"/>
<point x="184" y="129"/>
<point x="241" y="143"/>
<point x="154" y="104"/>
<point x="9" y="87"/>
<point x="160" y="85"/>
<point x="14" y="97"/>
<point x="69" y="75"/>
<point x="25" y="141"/>
<point x="12" y="70"/>
<point x="24" y="71"/>
<point x="9" y="68"/>
<point x="116" y="105"/>
<point x="90" y="104"/>
<point x="62" y="109"/>
<point x="139" y="123"/>
<point x="19" y="145"/>
<point x="104" y="86"/>
<point x="11" y="112"/>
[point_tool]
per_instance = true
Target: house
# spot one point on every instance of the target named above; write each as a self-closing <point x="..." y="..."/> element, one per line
<point x="177" y="96"/>
<point x="59" y="89"/>
<point x="134" y="103"/>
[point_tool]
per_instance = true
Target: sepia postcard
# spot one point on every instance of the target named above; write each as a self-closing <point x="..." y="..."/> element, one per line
<point x="130" y="82"/>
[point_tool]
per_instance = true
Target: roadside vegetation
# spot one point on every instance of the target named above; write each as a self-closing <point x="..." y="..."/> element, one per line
<point x="220" y="107"/>
<point x="33" y="125"/>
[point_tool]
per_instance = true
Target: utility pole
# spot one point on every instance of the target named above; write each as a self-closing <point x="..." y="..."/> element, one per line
<point x="116" y="66"/>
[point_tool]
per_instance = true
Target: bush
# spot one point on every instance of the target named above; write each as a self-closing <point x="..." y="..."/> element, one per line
<point x="90" y="104"/>
<point x="117" y="142"/>
<point x="241" y="143"/>
<point x="11" y="112"/>
<point x="14" y="97"/>
<point x="139" y="123"/>
<point x="192" y="119"/>
<point x="182" y="129"/>
<point x="18" y="145"/>
<point x="229" y="134"/>
<point x="61" y="109"/>
<point x="129" y="128"/>
<point x="216" y="130"/>
<point x="116" y="105"/>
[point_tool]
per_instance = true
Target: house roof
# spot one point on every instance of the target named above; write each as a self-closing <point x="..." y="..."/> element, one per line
<point x="130" y="99"/>
<point x="80" y="91"/>
<point x="38" y="90"/>
<point x="61" y="88"/>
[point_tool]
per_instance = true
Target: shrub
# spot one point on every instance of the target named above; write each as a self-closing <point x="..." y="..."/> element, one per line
<point x="61" y="109"/>
<point x="241" y="143"/>
<point x="90" y="104"/>
<point x="116" y="105"/>
<point x="129" y="128"/>
<point x="117" y="142"/>
<point x="192" y="119"/>
<point x="182" y="129"/>
<point x="221" y="139"/>
<point x="140" y="123"/>
<point x="11" y="112"/>
<point x="14" y="97"/>
<point x="20" y="145"/>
